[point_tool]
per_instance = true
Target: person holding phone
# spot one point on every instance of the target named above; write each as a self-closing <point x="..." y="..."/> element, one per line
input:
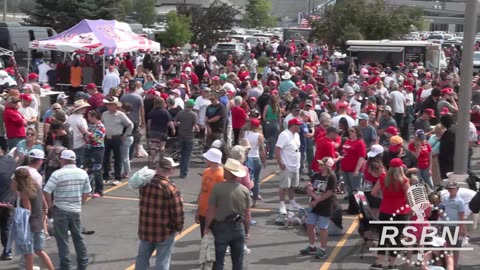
<point x="322" y="191"/>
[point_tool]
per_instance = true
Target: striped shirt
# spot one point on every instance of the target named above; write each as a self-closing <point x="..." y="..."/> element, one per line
<point x="69" y="184"/>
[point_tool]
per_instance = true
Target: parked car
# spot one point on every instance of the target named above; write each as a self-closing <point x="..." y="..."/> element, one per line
<point x="476" y="62"/>
<point x="224" y="49"/>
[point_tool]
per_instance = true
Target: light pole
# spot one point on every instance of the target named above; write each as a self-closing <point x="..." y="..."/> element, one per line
<point x="465" y="94"/>
<point x="4" y="10"/>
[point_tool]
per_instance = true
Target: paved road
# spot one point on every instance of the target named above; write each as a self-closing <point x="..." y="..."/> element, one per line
<point x="114" y="244"/>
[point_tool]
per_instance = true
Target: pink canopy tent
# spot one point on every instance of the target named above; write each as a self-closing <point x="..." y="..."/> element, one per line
<point x="101" y="37"/>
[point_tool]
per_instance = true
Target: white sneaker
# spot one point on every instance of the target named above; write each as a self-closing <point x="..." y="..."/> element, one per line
<point x="116" y="183"/>
<point x="293" y="206"/>
<point x="246" y="250"/>
<point x="228" y="250"/>
<point x="283" y="209"/>
<point x="36" y="267"/>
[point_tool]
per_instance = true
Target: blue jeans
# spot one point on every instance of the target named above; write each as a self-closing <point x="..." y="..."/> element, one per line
<point x="271" y="129"/>
<point x="254" y="165"/>
<point x="352" y="183"/>
<point x="5" y="224"/>
<point x="186" y="148"/>
<point x="425" y="177"/>
<point x="80" y="153"/>
<point x="125" y="149"/>
<point x="229" y="234"/>
<point x="164" y="253"/>
<point x="63" y="222"/>
<point x="94" y="159"/>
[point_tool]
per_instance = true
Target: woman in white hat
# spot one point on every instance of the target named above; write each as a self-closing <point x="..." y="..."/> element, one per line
<point x="210" y="176"/>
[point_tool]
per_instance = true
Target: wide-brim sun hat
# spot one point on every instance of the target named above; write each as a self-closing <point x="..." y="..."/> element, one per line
<point x="80" y="104"/>
<point x="213" y="155"/>
<point x="286" y="76"/>
<point x="235" y="167"/>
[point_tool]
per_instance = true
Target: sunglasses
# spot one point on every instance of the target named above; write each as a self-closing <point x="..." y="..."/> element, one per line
<point x="15" y="101"/>
<point x="56" y="109"/>
<point x="30" y="134"/>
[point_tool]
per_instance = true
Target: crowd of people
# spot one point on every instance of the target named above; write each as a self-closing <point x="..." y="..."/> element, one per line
<point x="379" y="129"/>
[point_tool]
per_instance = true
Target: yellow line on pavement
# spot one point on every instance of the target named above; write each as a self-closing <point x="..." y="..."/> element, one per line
<point x="269" y="177"/>
<point x="326" y="265"/>
<point x="178" y="237"/>
<point x="111" y="189"/>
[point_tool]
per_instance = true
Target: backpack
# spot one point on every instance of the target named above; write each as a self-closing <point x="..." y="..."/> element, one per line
<point x="53" y="157"/>
<point x="474" y="204"/>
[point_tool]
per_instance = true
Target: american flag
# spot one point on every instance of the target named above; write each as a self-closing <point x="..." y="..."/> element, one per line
<point x="304" y="19"/>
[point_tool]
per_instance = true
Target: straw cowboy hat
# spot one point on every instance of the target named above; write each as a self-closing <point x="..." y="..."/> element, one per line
<point x="112" y="100"/>
<point x="235" y="167"/>
<point x="80" y="104"/>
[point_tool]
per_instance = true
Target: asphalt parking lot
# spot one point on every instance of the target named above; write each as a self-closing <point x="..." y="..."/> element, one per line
<point x="114" y="244"/>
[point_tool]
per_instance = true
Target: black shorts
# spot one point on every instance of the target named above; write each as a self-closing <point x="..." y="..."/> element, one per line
<point x="373" y="201"/>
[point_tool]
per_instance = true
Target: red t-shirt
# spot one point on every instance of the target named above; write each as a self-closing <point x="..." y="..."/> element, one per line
<point x="352" y="151"/>
<point x="325" y="147"/>
<point x="13" y="121"/>
<point x="242" y="75"/>
<point x="369" y="177"/>
<point x="239" y="117"/>
<point x="96" y="100"/>
<point x="393" y="199"/>
<point x="424" y="157"/>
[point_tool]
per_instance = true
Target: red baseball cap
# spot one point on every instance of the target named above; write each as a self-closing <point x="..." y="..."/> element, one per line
<point x="364" y="83"/>
<point x="309" y="86"/>
<point x="396" y="163"/>
<point x="254" y="122"/>
<point x="342" y="106"/>
<point x="91" y="86"/>
<point x="254" y="82"/>
<point x="447" y="91"/>
<point x="295" y="121"/>
<point x="444" y="111"/>
<point x="392" y="130"/>
<point x="32" y="76"/>
<point x="26" y="97"/>
<point x="430" y="113"/>
<point x="408" y="88"/>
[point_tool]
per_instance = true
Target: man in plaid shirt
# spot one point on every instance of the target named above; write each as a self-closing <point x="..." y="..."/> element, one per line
<point x="161" y="217"/>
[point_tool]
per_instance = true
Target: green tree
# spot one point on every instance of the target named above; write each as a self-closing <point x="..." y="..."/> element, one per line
<point x="258" y="14"/>
<point x="362" y="19"/>
<point x="208" y="23"/>
<point x="107" y="9"/>
<point x="177" y="32"/>
<point x="61" y="14"/>
<point x="125" y="8"/>
<point x="145" y="10"/>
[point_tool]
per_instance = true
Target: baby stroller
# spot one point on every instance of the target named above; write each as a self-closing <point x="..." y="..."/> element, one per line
<point x="369" y="232"/>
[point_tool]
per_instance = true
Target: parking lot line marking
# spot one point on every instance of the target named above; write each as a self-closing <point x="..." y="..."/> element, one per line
<point x="269" y="177"/>
<point x="326" y="265"/>
<point x="178" y="237"/>
<point x="121" y="198"/>
<point x="111" y="189"/>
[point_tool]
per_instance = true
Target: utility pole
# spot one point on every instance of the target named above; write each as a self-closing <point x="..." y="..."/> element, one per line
<point x="4" y="10"/>
<point x="465" y="94"/>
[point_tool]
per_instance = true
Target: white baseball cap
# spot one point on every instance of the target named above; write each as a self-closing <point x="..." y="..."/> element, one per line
<point x="36" y="154"/>
<point x="217" y="143"/>
<point x="68" y="155"/>
<point x="375" y="150"/>
<point x="213" y="155"/>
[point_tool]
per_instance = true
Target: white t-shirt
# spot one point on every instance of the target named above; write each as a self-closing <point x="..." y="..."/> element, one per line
<point x="426" y="93"/>
<point x="43" y="68"/>
<point x="201" y="105"/>
<point x="179" y="102"/>
<point x="397" y="101"/>
<point x="472" y="132"/>
<point x="77" y="121"/>
<point x="465" y="194"/>
<point x="290" y="153"/>
<point x="36" y="176"/>
<point x="408" y="98"/>
<point x="211" y="61"/>
<point x="356" y="105"/>
<point x="28" y="113"/>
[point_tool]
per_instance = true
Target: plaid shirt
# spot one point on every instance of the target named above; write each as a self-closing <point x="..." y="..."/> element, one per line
<point x="161" y="210"/>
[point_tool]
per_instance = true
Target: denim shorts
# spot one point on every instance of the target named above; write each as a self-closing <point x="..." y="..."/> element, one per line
<point x="37" y="244"/>
<point x="317" y="220"/>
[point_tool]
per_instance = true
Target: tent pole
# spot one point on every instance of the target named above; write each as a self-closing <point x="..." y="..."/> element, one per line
<point x="103" y="70"/>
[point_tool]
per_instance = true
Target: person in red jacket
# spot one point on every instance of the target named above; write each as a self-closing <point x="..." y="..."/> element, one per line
<point x="14" y="122"/>
<point x="194" y="80"/>
<point x="239" y="118"/>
